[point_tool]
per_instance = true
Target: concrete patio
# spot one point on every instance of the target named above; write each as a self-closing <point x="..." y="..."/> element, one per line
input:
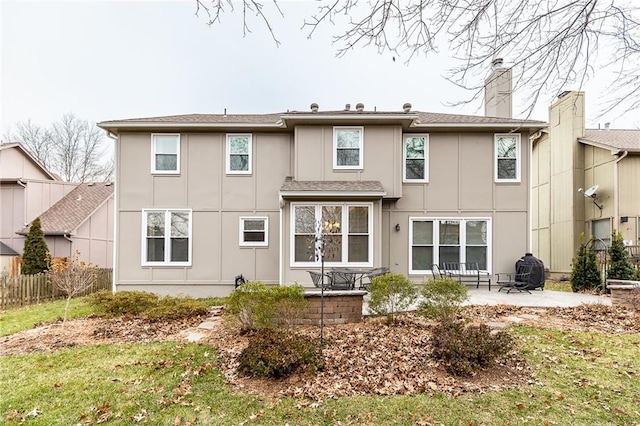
<point x="537" y="299"/>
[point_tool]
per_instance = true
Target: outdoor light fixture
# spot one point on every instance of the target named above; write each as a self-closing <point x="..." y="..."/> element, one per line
<point x="397" y="227"/>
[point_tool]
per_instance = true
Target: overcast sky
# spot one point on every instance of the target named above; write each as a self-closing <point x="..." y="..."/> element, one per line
<point x="120" y="59"/>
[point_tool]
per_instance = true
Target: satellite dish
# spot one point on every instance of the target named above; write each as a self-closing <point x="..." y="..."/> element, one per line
<point x="591" y="192"/>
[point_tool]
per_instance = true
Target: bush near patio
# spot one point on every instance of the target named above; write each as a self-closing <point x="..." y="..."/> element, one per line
<point x="585" y="274"/>
<point x="390" y="294"/>
<point x="620" y="266"/>
<point x="259" y="306"/>
<point x="146" y="305"/>
<point x="443" y="298"/>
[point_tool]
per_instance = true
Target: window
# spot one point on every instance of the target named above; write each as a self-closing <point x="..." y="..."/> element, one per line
<point x="347" y="147"/>
<point x="165" y="153"/>
<point x="507" y="150"/>
<point x="347" y="234"/>
<point x="448" y="240"/>
<point x="254" y="231"/>
<point x="416" y="161"/>
<point x="239" y="154"/>
<point x="601" y="230"/>
<point x="167" y="237"/>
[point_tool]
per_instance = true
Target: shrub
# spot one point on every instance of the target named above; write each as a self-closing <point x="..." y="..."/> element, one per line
<point x="390" y="294"/>
<point x="620" y="267"/>
<point x="146" y="305"/>
<point x="123" y="302"/>
<point x="585" y="274"/>
<point x="467" y="349"/>
<point x="72" y="276"/>
<point x="274" y="354"/>
<point x="442" y="297"/>
<point x="260" y="306"/>
<point x="35" y="252"/>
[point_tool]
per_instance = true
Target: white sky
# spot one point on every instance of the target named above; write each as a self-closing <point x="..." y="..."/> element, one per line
<point x="119" y="59"/>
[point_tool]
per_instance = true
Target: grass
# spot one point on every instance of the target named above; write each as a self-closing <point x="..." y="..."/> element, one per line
<point x="582" y="378"/>
<point x="20" y="319"/>
<point x="558" y="286"/>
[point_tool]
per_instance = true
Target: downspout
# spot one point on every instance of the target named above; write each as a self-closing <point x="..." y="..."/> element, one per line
<point x="114" y="267"/>
<point x="281" y="238"/>
<point x="616" y="191"/>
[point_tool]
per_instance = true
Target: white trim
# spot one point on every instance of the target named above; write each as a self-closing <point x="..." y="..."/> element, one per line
<point x="426" y="157"/>
<point x="241" y="230"/>
<point x="436" y="240"/>
<point x="249" y="150"/>
<point x="344" y="232"/>
<point x="167" y="238"/>
<point x="153" y="155"/>
<point x="518" y="157"/>
<point x="360" y="165"/>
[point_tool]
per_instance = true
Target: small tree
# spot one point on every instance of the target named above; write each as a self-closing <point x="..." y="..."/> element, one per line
<point x="390" y="294"/>
<point x="586" y="273"/>
<point x="35" y="252"/>
<point x="620" y="267"/>
<point x="72" y="276"/>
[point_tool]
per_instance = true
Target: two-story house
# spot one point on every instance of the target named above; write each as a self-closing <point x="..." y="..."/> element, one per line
<point x="202" y="198"/>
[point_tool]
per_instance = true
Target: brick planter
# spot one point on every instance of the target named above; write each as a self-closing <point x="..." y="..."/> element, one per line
<point x="622" y="293"/>
<point x="340" y="307"/>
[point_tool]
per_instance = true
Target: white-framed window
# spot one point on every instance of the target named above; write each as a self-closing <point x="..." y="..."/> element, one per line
<point x="166" y="237"/>
<point x="165" y="153"/>
<point x="601" y="231"/>
<point x="347" y="229"/>
<point x="507" y="157"/>
<point x="239" y="158"/>
<point x="254" y="231"/>
<point x="348" y="147"/>
<point x="438" y="240"/>
<point x="416" y="158"/>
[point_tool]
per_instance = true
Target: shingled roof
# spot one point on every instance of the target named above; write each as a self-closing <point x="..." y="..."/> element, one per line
<point x="626" y="140"/>
<point x="73" y="209"/>
<point x="363" y="187"/>
<point x="279" y="120"/>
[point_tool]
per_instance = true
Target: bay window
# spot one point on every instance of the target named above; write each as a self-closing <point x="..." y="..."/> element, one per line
<point x="346" y="228"/>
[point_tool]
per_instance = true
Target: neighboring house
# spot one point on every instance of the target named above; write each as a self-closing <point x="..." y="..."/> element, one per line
<point x="81" y="221"/>
<point x="73" y="216"/>
<point x="6" y="256"/>
<point x="27" y="189"/>
<point x="568" y="160"/>
<point x="202" y="198"/>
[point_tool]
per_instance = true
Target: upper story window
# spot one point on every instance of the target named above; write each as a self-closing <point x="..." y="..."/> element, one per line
<point x="167" y="237"/>
<point x="507" y="152"/>
<point x="254" y="231"/>
<point x="416" y="158"/>
<point x="165" y="153"/>
<point x="347" y="147"/>
<point x="239" y="154"/>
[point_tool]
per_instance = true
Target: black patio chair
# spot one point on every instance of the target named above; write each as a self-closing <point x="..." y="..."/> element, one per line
<point x="516" y="281"/>
<point x="316" y="277"/>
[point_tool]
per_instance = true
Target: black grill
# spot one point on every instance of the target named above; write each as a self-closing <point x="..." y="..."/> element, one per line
<point x="536" y="279"/>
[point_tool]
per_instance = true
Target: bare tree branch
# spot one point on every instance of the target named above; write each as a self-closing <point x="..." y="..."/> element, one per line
<point x="550" y="44"/>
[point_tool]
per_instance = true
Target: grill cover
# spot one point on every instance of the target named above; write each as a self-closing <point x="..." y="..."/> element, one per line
<point x="536" y="279"/>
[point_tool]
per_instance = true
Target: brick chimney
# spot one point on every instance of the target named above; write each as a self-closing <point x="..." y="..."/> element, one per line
<point x="497" y="91"/>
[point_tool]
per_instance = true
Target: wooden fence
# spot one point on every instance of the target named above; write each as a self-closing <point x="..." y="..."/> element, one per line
<point x="23" y="290"/>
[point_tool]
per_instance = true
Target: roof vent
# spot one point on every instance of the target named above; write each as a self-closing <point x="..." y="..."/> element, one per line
<point x="563" y="94"/>
<point x="347" y="107"/>
<point x="607" y="125"/>
<point x="497" y="63"/>
<point x="406" y="107"/>
<point x="314" y="107"/>
<point x="359" y="107"/>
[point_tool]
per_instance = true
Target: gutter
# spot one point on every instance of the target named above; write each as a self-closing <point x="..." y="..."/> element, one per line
<point x="616" y="189"/>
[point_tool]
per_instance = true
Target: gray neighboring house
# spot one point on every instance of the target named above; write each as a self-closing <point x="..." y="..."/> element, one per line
<point x="202" y="198"/>
<point x="81" y="221"/>
<point x="6" y="254"/>
<point x="567" y="158"/>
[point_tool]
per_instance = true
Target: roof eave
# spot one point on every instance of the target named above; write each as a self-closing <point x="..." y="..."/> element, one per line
<point x="342" y="194"/>
<point x="511" y="126"/>
<point x="124" y="125"/>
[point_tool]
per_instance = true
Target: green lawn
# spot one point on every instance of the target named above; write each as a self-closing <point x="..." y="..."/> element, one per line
<point x="582" y="378"/>
<point x="558" y="286"/>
